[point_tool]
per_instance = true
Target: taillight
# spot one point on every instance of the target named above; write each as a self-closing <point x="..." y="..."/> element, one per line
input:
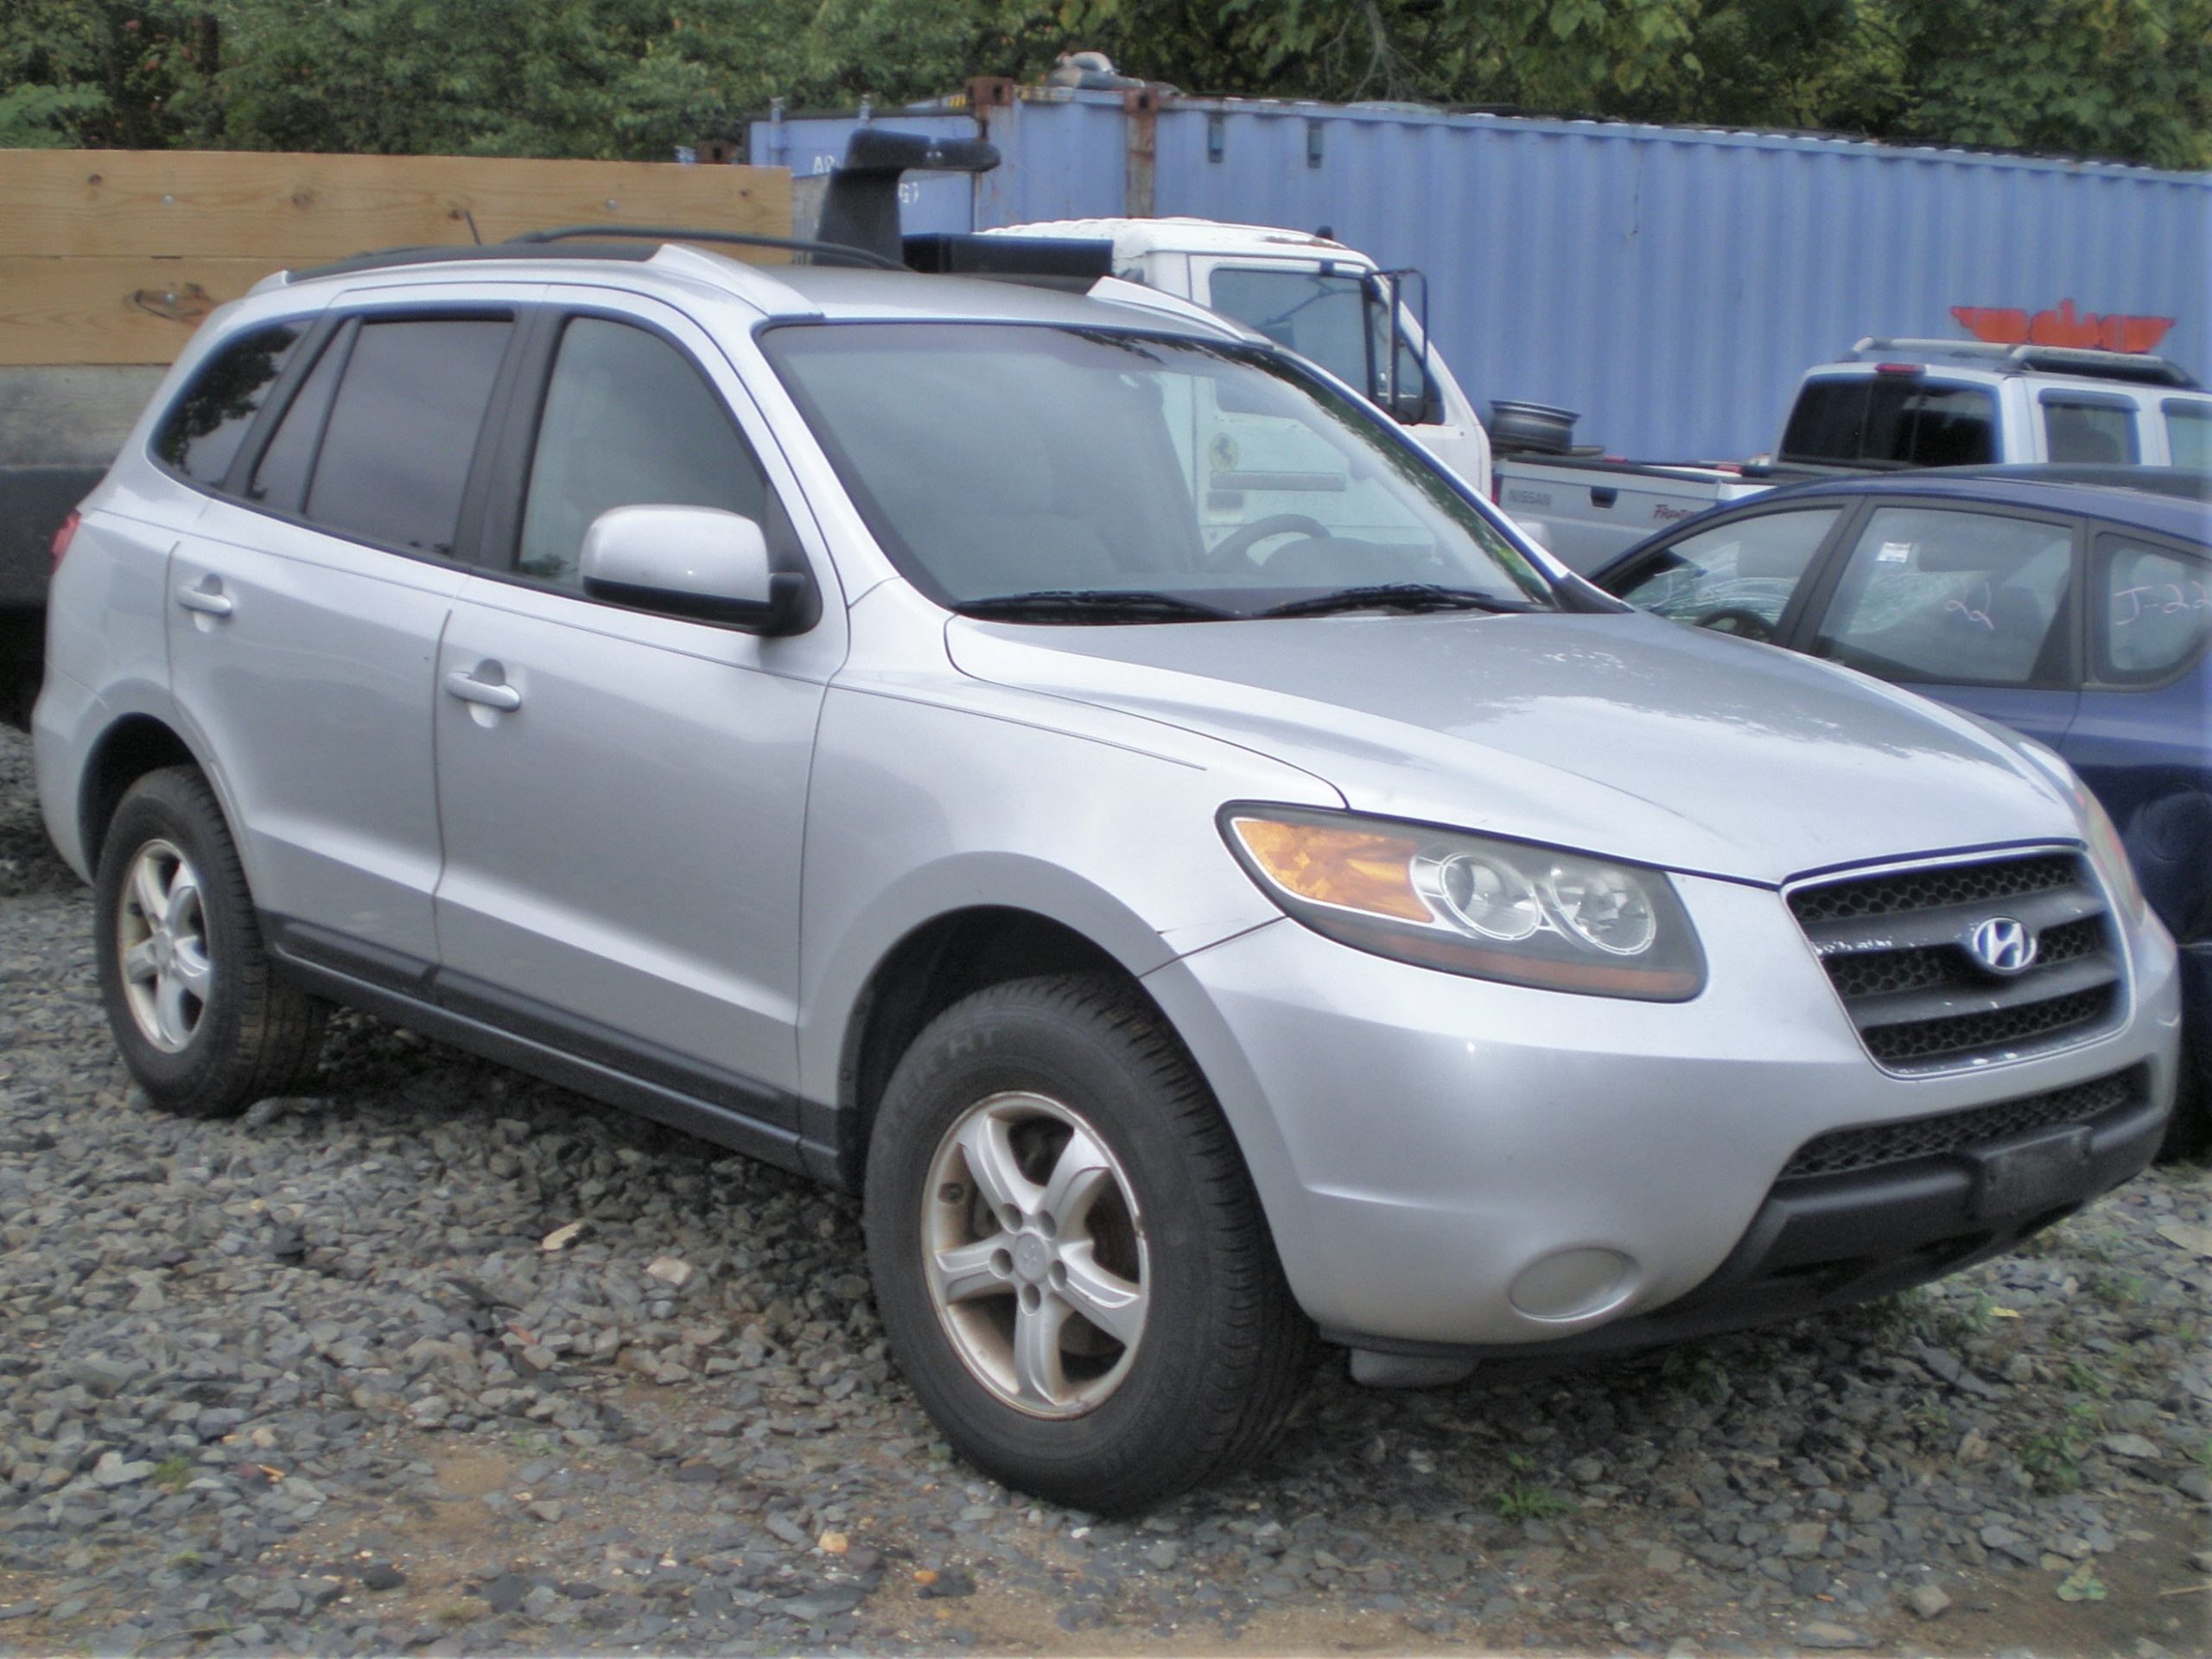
<point x="63" y="536"/>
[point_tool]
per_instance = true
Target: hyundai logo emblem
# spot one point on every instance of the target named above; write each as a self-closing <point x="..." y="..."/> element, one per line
<point x="2002" y="944"/>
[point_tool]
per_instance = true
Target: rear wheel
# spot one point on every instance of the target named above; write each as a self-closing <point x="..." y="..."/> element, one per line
<point x="203" y="1024"/>
<point x="1068" y="1253"/>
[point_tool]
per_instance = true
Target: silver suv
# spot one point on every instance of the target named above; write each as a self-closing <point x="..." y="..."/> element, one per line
<point x="1080" y="776"/>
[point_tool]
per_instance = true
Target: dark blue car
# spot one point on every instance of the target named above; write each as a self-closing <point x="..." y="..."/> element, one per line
<point x="2071" y="603"/>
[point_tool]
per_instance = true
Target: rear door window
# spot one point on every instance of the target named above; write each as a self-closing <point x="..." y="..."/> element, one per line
<point x="1737" y="578"/>
<point x="201" y="437"/>
<point x="1898" y="420"/>
<point x="403" y="431"/>
<point x="2093" y="431"/>
<point x="1945" y="595"/>
<point x="2189" y="432"/>
<point x="2154" y="608"/>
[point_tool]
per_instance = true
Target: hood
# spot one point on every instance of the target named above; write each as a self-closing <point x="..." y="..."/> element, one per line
<point x="1616" y="734"/>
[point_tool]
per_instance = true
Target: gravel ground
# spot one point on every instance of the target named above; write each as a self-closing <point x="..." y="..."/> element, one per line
<point x="442" y="1360"/>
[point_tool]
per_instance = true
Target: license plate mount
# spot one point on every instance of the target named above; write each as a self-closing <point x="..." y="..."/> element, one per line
<point x="2031" y="1174"/>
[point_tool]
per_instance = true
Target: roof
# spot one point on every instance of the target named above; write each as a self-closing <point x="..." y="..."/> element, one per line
<point x="1134" y="237"/>
<point x="787" y="291"/>
<point x="847" y="294"/>
<point x="2168" y="501"/>
<point x="2141" y="368"/>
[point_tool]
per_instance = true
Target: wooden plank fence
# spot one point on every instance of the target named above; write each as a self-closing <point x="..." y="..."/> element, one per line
<point x="114" y="255"/>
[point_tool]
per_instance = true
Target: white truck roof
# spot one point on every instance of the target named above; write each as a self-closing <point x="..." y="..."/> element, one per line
<point x="1135" y="237"/>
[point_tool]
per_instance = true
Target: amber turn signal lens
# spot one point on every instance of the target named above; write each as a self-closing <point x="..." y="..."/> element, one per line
<point x="1355" y="869"/>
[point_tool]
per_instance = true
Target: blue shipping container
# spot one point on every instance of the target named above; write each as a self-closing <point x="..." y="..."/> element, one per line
<point x="1670" y="283"/>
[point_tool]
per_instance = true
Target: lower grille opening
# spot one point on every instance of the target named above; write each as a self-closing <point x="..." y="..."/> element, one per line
<point x="1842" y="1151"/>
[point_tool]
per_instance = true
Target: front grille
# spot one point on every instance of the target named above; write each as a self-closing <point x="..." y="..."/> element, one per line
<point x="1895" y="948"/>
<point x="1872" y="973"/>
<point x="1972" y="1034"/>
<point x="1842" y="1151"/>
<point x="1950" y="884"/>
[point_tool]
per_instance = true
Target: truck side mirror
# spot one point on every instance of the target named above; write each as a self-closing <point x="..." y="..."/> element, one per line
<point x="1401" y="385"/>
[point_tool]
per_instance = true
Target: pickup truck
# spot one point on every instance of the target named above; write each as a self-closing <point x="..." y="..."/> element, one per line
<point x="1891" y="403"/>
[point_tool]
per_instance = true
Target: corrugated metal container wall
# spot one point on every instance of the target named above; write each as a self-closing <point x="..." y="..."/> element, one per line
<point x="1073" y="161"/>
<point x="1670" y="284"/>
<point x="1673" y="285"/>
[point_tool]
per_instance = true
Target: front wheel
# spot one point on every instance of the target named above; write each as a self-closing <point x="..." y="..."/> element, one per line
<point x="1068" y="1253"/>
<point x="203" y="1024"/>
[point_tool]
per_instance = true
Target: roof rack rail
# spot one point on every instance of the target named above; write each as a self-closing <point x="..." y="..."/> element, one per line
<point x="678" y="233"/>
<point x="388" y="257"/>
<point x="2139" y="366"/>
<point x="628" y="242"/>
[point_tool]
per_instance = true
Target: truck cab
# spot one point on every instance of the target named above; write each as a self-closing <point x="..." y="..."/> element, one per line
<point x="1330" y="303"/>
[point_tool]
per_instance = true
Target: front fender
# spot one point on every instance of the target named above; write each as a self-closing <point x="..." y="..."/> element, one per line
<point x="921" y="810"/>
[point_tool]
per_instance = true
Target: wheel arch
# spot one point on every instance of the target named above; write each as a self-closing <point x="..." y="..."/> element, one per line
<point x="929" y="968"/>
<point x="130" y="747"/>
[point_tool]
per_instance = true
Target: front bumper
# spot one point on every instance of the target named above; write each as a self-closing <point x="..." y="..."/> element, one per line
<point x="1445" y="1161"/>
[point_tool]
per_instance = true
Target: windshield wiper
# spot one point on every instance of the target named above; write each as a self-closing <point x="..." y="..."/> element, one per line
<point x="1401" y="597"/>
<point x="1091" y="605"/>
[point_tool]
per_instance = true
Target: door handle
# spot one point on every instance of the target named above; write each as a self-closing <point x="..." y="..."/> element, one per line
<point x="206" y="602"/>
<point x="491" y="693"/>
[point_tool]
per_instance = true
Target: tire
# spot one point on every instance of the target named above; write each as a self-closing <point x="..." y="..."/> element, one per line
<point x="1179" y="1349"/>
<point x="204" y="1025"/>
<point x="2189" y="1133"/>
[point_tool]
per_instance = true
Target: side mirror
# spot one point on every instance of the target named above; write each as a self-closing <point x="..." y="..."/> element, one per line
<point x="694" y="561"/>
<point x="1403" y="388"/>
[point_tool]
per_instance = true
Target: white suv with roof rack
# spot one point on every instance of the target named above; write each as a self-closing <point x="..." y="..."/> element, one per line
<point x="830" y="711"/>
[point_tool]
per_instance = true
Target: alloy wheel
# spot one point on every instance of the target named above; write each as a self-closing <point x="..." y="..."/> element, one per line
<point x="1034" y="1254"/>
<point x="162" y="939"/>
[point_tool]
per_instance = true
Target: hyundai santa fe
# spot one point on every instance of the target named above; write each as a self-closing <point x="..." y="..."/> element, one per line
<point x="1077" y="774"/>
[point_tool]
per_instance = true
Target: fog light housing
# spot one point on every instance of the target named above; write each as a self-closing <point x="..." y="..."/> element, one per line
<point x="1574" y="1284"/>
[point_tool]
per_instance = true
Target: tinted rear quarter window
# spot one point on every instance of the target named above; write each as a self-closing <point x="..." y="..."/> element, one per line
<point x="203" y="432"/>
<point x="403" y="428"/>
<point x="280" y="477"/>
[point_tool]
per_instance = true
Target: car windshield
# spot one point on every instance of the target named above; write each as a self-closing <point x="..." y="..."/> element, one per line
<point x="1124" y="477"/>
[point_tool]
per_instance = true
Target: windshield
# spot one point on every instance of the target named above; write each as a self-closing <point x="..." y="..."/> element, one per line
<point x="994" y="461"/>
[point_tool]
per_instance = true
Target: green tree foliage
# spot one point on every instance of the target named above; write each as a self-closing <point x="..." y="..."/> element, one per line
<point x="2126" y="79"/>
<point x="2129" y="79"/>
<point x="86" y="73"/>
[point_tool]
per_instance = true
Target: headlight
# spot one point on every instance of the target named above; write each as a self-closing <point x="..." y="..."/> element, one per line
<point x="2109" y="854"/>
<point x="2106" y="851"/>
<point x="1471" y="904"/>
